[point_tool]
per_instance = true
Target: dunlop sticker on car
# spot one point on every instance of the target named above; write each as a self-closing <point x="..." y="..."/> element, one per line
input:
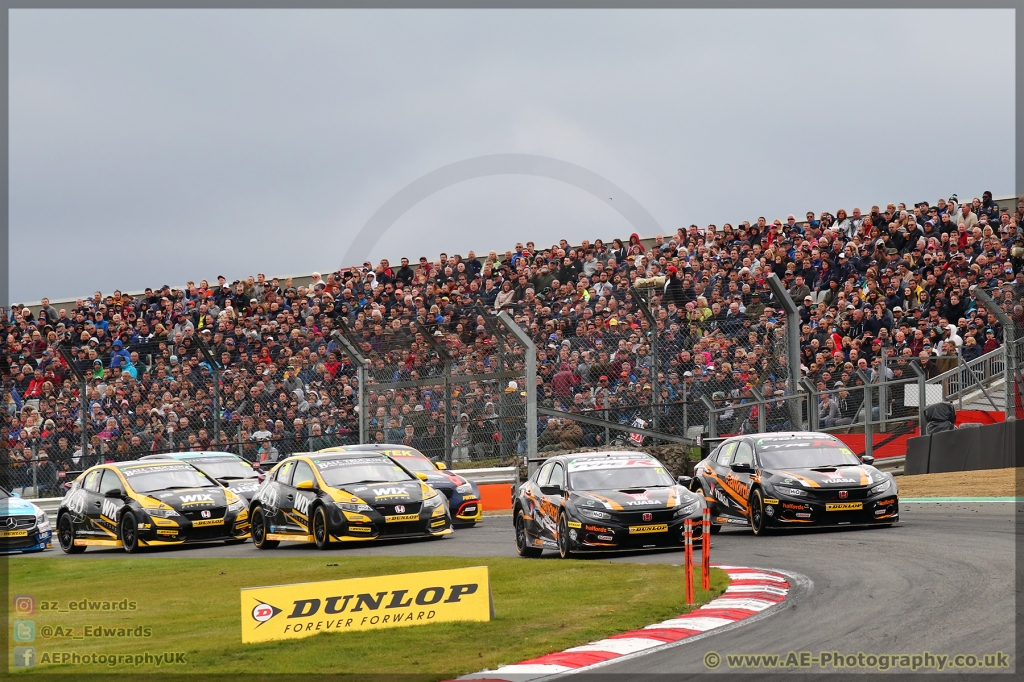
<point x="198" y="523"/>
<point x="770" y="500"/>
<point x="401" y="517"/>
<point x="387" y="601"/>
<point x="13" y="533"/>
<point x="843" y="506"/>
<point x="653" y="528"/>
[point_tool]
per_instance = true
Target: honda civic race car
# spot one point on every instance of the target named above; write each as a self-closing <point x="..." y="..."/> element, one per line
<point x="343" y="497"/>
<point x="24" y="527"/>
<point x="148" y="504"/>
<point x="231" y="471"/>
<point x="777" y="480"/>
<point x="602" y="502"/>
<point x="463" y="495"/>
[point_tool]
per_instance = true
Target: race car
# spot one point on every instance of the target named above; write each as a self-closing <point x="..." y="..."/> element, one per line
<point x="24" y="527"/>
<point x="602" y="501"/>
<point x="793" y="479"/>
<point x="356" y="496"/>
<point x="231" y="471"/>
<point x="149" y="503"/>
<point x="463" y="495"/>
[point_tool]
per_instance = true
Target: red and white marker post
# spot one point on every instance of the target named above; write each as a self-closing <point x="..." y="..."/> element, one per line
<point x="705" y="551"/>
<point x="688" y="540"/>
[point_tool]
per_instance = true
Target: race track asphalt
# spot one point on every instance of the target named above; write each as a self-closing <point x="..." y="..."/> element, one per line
<point x="941" y="581"/>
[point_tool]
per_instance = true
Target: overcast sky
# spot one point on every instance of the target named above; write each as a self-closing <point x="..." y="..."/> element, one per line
<point x="155" y="147"/>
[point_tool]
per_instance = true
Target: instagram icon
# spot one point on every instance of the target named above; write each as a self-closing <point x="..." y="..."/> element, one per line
<point x="24" y="605"/>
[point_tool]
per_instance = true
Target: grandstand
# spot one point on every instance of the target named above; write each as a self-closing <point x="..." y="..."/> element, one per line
<point x="254" y="365"/>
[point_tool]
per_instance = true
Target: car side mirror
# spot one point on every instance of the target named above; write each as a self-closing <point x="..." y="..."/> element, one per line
<point x="422" y="476"/>
<point x="741" y="467"/>
<point x="551" y="489"/>
<point x="305" y="485"/>
<point x="440" y="465"/>
<point x="867" y="459"/>
<point x="685" y="481"/>
<point x="114" y="492"/>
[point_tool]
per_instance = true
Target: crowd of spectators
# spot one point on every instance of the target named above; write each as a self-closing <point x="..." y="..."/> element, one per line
<point x="893" y="280"/>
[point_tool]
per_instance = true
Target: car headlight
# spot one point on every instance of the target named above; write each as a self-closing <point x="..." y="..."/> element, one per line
<point x="354" y="507"/>
<point x="792" y="492"/>
<point x="42" y="520"/>
<point x="164" y="513"/>
<point x="688" y="509"/>
<point x="433" y="501"/>
<point x="465" y="488"/>
<point x="880" y="488"/>
<point x="236" y="506"/>
<point x="594" y="514"/>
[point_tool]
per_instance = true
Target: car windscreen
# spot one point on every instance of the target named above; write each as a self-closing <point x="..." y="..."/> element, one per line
<point x="413" y="462"/>
<point x="346" y="471"/>
<point x="613" y="474"/>
<point x="166" y="477"/>
<point x="803" y="454"/>
<point x="226" y="468"/>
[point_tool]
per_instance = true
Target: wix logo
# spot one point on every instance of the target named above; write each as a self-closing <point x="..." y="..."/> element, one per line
<point x="302" y="504"/>
<point x="201" y="498"/>
<point x="391" y="492"/>
<point x="110" y="509"/>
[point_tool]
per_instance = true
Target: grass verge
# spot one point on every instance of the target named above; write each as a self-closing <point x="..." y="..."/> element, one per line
<point x="192" y="606"/>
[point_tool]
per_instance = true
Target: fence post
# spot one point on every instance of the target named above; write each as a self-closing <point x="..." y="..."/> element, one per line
<point x="869" y="444"/>
<point x="922" y="393"/>
<point x="83" y="399"/>
<point x="1010" y="346"/>
<point x="762" y="408"/>
<point x="883" y="394"/>
<point x="813" y="418"/>
<point x="686" y="413"/>
<point x="649" y="316"/>
<point x="531" y="387"/>
<point x="35" y="467"/>
<point x="792" y="346"/>
<point x="712" y="417"/>
<point x="362" y="393"/>
<point x="215" y="370"/>
<point x="607" y="435"/>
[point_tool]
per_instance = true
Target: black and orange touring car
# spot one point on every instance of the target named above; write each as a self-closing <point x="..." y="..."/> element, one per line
<point x="600" y="502"/>
<point x="793" y="479"/>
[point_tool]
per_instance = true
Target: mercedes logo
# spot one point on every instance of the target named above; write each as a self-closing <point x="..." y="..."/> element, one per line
<point x="11" y="522"/>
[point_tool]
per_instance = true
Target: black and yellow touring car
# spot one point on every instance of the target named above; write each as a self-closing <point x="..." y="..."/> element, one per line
<point x="603" y="501"/>
<point x="793" y="479"/>
<point x="345" y="497"/>
<point x="148" y="504"/>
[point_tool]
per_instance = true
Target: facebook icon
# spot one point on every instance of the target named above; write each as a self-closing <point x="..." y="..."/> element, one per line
<point x="24" y="656"/>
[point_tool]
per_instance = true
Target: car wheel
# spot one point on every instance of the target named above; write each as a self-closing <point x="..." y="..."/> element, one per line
<point x="564" y="541"/>
<point x="66" y="536"/>
<point x="321" y="536"/>
<point x="523" y="546"/>
<point x="130" y="533"/>
<point x="755" y="513"/>
<point x="258" y="527"/>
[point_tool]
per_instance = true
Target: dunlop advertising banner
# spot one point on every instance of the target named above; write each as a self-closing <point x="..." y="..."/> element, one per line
<point x="387" y="601"/>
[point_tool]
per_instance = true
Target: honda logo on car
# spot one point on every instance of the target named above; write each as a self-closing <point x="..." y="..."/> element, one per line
<point x="387" y="601"/>
<point x="648" y="516"/>
<point x="843" y="494"/>
<point x="399" y="508"/>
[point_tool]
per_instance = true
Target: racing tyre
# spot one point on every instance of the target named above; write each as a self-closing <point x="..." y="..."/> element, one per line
<point x="66" y="536"/>
<point x="258" y="527"/>
<point x="564" y="541"/>
<point x="130" y="533"/>
<point x="321" y="534"/>
<point x="523" y="547"/>
<point x="755" y="512"/>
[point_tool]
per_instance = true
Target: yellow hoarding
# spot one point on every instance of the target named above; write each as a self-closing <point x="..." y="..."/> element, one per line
<point x="386" y="601"/>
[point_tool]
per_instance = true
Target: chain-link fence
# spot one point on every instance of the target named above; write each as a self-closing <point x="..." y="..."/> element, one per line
<point x="650" y="365"/>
